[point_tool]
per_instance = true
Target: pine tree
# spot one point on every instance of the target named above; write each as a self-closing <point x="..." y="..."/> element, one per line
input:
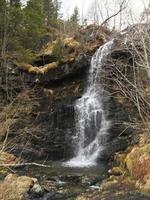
<point x="15" y="19"/>
<point x="48" y="9"/>
<point x="3" y="26"/>
<point x="34" y="24"/>
<point x="22" y="28"/>
<point x="10" y="24"/>
<point x="57" y="6"/>
<point x="51" y="10"/>
<point x="74" y="19"/>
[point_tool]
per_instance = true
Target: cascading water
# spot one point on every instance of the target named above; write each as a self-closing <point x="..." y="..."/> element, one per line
<point x="91" y="122"/>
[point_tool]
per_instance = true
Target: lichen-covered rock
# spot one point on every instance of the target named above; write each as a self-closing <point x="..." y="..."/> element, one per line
<point x="138" y="161"/>
<point x="82" y="198"/>
<point x="144" y="186"/>
<point x="71" y="43"/>
<point x="114" y="188"/>
<point x="138" y="164"/>
<point x="117" y="171"/>
<point x="37" y="70"/>
<point x="15" y="187"/>
<point x="144" y="139"/>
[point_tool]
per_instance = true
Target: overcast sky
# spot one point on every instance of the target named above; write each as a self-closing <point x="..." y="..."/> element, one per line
<point x="86" y="10"/>
<point x="83" y="5"/>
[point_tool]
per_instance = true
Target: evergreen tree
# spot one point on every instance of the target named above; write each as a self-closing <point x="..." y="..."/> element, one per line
<point x="34" y="24"/>
<point x="51" y="11"/>
<point x="57" y="6"/>
<point x="3" y="25"/>
<point x="48" y="9"/>
<point x="74" y="19"/>
<point x="15" y="19"/>
<point x="22" y="28"/>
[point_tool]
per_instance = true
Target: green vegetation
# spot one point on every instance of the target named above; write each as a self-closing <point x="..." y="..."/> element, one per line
<point x="58" y="50"/>
<point x="74" y="19"/>
<point x="24" y="29"/>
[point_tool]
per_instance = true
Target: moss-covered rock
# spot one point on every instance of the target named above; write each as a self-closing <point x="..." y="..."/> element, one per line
<point x="71" y="43"/>
<point x="144" y="186"/>
<point x="117" y="171"/>
<point x="114" y="188"/>
<point x="138" y="161"/>
<point x="138" y="164"/>
<point x="37" y="70"/>
<point x="15" y="187"/>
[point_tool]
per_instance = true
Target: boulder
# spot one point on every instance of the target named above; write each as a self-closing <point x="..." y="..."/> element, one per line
<point x="138" y="164"/>
<point x="145" y="186"/>
<point x="14" y="187"/>
<point x="138" y="161"/>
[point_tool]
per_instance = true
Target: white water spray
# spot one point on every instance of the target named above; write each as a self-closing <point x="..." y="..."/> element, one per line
<point x="91" y="122"/>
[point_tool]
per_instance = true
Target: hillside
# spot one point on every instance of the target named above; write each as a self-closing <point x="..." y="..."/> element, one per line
<point x="74" y="107"/>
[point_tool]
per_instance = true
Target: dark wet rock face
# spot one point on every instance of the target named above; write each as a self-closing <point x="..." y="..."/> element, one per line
<point x="44" y="120"/>
<point x="44" y="113"/>
<point x="45" y="128"/>
<point x="63" y="72"/>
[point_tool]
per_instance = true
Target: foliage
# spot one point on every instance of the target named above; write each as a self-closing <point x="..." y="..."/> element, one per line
<point x="33" y="25"/>
<point x="75" y="16"/>
<point x="3" y="13"/>
<point x="59" y="50"/>
<point x="51" y="11"/>
<point x="15" y="19"/>
<point x="22" y="29"/>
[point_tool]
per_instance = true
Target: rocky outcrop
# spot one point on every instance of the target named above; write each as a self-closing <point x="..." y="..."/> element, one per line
<point x="41" y="119"/>
<point x="44" y="129"/>
<point x="15" y="187"/>
<point x="129" y="179"/>
<point x="138" y="164"/>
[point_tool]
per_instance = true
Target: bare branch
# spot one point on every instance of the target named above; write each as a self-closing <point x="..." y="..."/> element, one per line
<point x="122" y="7"/>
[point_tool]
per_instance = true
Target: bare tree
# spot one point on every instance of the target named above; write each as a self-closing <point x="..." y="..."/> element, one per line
<point x="108" y="13"/>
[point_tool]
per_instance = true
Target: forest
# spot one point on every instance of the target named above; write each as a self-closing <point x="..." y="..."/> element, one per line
<point x="25" y="29"/>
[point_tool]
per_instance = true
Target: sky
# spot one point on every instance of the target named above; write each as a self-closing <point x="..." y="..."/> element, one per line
<point x="86" y="9"/>
<point x="83" y="5"/>
<point x="69" y="5"/>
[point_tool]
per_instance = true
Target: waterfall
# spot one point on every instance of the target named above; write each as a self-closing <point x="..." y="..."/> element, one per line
<point x="91" y="122"/>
